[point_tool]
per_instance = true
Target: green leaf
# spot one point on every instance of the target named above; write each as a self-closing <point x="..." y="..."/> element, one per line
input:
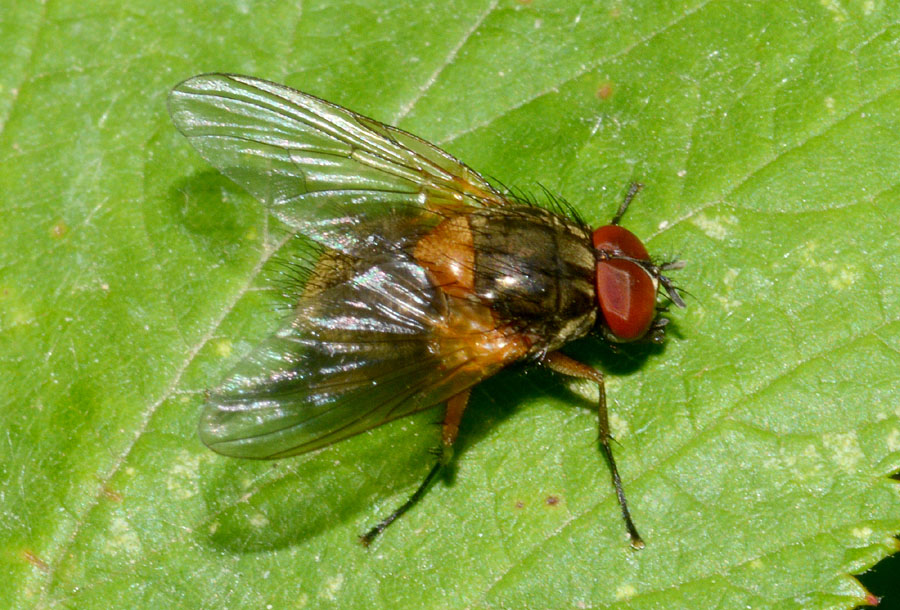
<point x="755" y="446"/>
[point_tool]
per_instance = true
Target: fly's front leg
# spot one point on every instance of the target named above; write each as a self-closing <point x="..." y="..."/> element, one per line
<point x="456" y="405"/>
<point x="561" y="363"/>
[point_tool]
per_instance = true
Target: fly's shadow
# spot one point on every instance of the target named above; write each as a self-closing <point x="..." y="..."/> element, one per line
<point x="263" y="506"/>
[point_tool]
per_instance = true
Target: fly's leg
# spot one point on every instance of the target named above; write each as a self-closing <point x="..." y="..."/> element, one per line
<point x="632" y="191"/>
<point x="561" y="363"/>
<point x="456" y="405"/>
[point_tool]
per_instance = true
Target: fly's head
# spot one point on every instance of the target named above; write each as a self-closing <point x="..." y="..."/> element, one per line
<point x="627" y="285"/>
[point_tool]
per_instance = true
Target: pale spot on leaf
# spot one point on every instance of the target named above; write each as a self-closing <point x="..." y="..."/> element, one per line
<point x="717" y="227"/>
<point x="122" y="538"/>
<point x="845" y="450"/>
<point x="625" y="592"/>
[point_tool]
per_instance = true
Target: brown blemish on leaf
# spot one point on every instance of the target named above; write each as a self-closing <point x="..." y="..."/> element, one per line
<point x="604" y="91"/>
<point x="112" y="494"/>
<point x="36" y="561"/>
<point x="59" y="229"/>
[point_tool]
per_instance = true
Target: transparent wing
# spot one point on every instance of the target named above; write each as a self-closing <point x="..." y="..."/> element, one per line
<point x="359" y="354"/>
<point x="320" y="168"/>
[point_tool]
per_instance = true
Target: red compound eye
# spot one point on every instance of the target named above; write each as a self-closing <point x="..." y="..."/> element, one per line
<point x="617" y="241"/>
<point x="626" y="291"/>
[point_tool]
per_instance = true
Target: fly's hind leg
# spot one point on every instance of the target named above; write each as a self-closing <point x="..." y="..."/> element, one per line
<point x="561" y="363"/>
<point x="456" y="405"/>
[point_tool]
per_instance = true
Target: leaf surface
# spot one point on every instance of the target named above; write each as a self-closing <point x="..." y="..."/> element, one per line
<point x="755" y="446"/>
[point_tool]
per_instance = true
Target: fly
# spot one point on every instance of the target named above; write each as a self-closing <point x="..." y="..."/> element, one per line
<point x="431" y="280"/>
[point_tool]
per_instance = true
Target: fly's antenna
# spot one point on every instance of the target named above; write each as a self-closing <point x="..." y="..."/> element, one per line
<point x="672" y="292"/>
<point x="632" y="191"/>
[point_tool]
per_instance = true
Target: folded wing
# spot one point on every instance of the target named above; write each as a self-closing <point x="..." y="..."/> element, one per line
<point x="320" y="168"/>
<point x="359" y="354"/>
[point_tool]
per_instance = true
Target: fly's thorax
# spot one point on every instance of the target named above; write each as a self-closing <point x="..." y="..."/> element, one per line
<point x="536" y="269"/>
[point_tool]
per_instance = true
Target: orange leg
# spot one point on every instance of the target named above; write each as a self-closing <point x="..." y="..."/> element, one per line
<point x="561" y="363"/>
<point x="456" y="405"/>
<point x="452" y="416"/>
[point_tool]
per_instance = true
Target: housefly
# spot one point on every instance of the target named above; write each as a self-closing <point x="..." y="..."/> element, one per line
<point x="430" y="281"/>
